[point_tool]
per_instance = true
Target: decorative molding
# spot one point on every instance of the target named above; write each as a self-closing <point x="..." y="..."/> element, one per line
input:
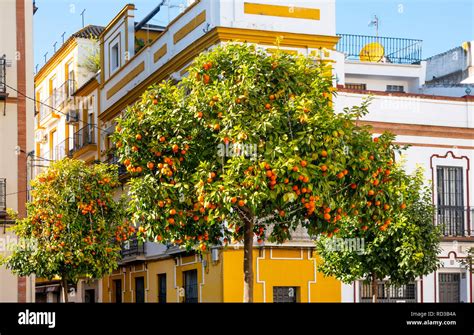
<point x="189" y="27"/>
<point x="160" y="53"/>
<point x="126" y="79"/>
<point x="282" y="11"/>
<point x="419" y="129"/>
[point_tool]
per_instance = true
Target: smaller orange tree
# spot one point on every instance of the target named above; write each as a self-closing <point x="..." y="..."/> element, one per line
<point x="74" y="226"/>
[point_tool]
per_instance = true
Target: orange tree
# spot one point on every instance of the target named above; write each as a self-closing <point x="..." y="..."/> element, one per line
<point x="74" y="226"/>
<point x="407" y="249"/>
<point x="249" y="145"/>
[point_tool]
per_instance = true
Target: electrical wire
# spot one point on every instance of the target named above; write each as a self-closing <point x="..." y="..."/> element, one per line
<point x="51" y="107"/>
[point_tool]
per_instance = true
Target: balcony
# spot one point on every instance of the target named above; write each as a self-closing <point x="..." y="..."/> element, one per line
<point x="61" y="150"/>
<point x="367" y="48"/>
<point x="83" y="138"/>
<point x="132" y="248"/>
<point x="3" y="79"/>
<point x="3" y="195"/>
<point x="456" y="221"/>
<point x="64" y="92"/>
<point x="57" y="100"/>
<point x="46" y="109"/>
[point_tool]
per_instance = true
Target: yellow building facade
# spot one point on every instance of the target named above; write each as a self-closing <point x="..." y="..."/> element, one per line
<point x="281" y="274"/>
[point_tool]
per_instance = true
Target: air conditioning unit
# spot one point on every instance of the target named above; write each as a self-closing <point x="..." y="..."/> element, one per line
<point x="72" y="116"/>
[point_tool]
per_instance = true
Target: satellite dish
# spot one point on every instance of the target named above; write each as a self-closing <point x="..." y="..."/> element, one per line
<point x="372" y="52"/>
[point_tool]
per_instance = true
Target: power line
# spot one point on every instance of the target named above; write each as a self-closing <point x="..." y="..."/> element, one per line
<point x="51" y="107"/>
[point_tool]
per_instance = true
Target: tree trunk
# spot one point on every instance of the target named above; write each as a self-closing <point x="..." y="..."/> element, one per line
<point x="247" y="217"/>
<point x="374" y="288"/>
<point x="248" y="261"/>
<point x="64" y="287"/>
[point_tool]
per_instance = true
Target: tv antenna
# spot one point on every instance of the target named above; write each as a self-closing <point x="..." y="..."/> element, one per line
<point x="375" y="23"/>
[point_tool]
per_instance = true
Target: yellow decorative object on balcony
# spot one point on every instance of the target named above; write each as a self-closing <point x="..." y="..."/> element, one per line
<point x="372" y="52"/>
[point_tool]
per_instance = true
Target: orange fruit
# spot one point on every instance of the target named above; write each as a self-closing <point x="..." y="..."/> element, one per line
<point x="324" y="168"/>
<point x="268" y="106"/>
<point x="324" y="153"/>
<point x="138" y="137"/>
<point x="304" y="163"/>
<point x="150" y="165"/>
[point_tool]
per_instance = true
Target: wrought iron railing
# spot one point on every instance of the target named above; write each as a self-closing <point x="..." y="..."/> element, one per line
<point x="45" y="108"/>
<point x="3" y="75"/>
<point x="83" y="137"/>
<point x="455" y="220"/>
<point x="64" y="92"/>
<point x="61" y="150"/>
<point x="388" y="293"/>
<point x="396" y="50"/>
<point x="132" y="247"/>
<point x="3" y="194"/>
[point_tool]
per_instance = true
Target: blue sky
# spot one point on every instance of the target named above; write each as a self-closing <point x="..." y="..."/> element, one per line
<point x="441" y="24"/>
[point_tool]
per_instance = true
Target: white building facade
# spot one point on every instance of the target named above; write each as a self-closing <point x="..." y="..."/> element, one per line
<point x="439" y="129"/>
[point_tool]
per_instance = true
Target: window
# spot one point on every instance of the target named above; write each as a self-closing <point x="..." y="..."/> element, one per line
<point x="114" y="57"/>
<point x="3" y="194"/>
<point x="117" y="288"/>
<point x="53" y="142"/>
<point x="285" y="294"/>
<point x="89" y="296"/>
<point x="139" y="289"/>
<point x="53" y="92"/>
<point x="395" y="88"/>
<point x="190" y="286"/>
<point x="449" y="288"/>
<point x="351" y="86"/>
<point x="162" y="288"/>
<point x="388" y="293"/>
<point x="450" y="211"/>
